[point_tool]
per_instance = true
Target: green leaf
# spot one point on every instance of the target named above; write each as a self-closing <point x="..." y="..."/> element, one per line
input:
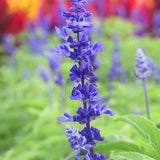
<point x="116" y="142"/>
<point x="133" y="156"/>
<point x="146" y="128"/>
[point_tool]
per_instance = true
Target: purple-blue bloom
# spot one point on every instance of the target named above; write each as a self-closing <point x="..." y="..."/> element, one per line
<point x="80" y="49"/>
<point x="77" y="141"/>
<point x="86" y="93"/>
<point x="155" y="70"/>
<point x="115" y="70"/>
<point x="54" y="63"/>
<point x="44" y="73"/>
<point x="77" y="72"/>
<point x="38" y="34"/>
<point x="143" y="72"/>
<point x="142" y="64"/>
<point x="8" y="44"/>
<point x="89" y="114"/>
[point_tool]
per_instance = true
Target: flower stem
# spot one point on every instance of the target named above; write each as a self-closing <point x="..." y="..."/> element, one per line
<point x="89" y="130"/>
<point x="88" y="122"/>
<point x="146" y="97"/>
<point x="84" y="102"/>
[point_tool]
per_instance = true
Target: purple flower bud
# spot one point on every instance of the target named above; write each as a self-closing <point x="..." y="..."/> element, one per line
<point x="59" y="80"/>
<point x="77" y="141"/>
<point x="155" y="70"/>
<point x="55" y="66"/>
<point x="44" y="73"/>
<point x="8" y="44"/>
<point x="142" y="64"/>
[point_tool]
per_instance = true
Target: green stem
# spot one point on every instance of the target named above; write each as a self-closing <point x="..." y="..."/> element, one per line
<point x="146" y="97"/>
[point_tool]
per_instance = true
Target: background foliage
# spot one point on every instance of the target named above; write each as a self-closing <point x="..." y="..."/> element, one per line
<point x="29" y="129"/>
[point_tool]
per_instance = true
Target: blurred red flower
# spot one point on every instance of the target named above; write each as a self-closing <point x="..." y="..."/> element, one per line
<point x="10" y="23"/>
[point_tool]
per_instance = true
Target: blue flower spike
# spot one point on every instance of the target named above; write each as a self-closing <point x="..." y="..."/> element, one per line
<point x="80" y="49"/>
<point x="143" y="72"/>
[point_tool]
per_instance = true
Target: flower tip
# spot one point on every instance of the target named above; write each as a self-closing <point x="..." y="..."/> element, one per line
<point x="62" y="119"/>
<point x="110" y="112"/>
<point x="140" y="51"/>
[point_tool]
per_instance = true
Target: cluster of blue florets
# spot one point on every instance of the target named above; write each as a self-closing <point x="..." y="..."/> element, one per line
<point x="80" y="49"/>
<point x="143" y="65"/>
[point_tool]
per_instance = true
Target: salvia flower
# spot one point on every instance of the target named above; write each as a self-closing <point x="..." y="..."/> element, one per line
<point x="46" y="77"/>
<point x="77" y="141"/>
<point x="44" y="73"/>
<point x="80" y="49"/>
<point x="155" y="70"/>
<point x="8" y="44"/>
<point x="90" y="114"/>
<point x="142" y="64"/>
<point x="115" y="69"/>
<point x="38" y="34"/>
<point x="54" y="63"/>
<point x="9" y="48"/>
<point x="143" y="72"/>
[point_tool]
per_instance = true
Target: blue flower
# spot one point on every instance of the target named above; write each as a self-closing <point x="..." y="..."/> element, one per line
<point x="86" y="93"/>
<point x="115" y="70"/>
<point x="77" y="141"/>
<point x="77" y="72"/>
<point x="38" y="35"/>
<point x="54" y="63"/>
<point x="80" y="49"/>
<point x="155" y="70"/>
<point x="62" y="50"/>
<point x="91" y="113"/>
<point x="96" y="156"/>
<point x="142" y="64"/>
<point x="8" y="44"/>
<point x="92" y="136"/>
<point x="64" y="35"/>
<point x="44" y="73"/>
<point x="59" y="80"/>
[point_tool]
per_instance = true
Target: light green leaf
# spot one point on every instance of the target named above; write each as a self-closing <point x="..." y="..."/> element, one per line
<point x="133" y="156"/>
<point x="116" y="142"/>
<point x="146" y="128"/>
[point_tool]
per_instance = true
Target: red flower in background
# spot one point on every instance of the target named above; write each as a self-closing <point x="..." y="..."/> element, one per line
<point x="157" y="5"/>
<point x="4" y="17"/>
<point x="10" y="23"/>
<point x="16" y="23"/>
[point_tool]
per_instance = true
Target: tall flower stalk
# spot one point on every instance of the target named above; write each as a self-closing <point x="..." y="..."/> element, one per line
<point x="54" y="63"/>
<point x="46" y="77"/>
<point x="80" y="49"/>
<point x="9" y="48"/>
<point x="143" y="72"/>
<point x="115" y="70"/>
